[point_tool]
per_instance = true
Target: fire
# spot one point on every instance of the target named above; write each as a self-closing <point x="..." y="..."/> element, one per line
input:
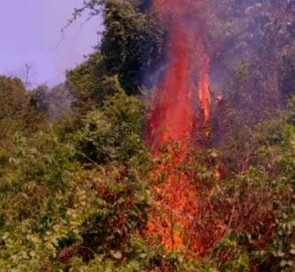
<point x="174" y="114"/>
<point x="205" y="99"/>
<point x="174" y="118"/>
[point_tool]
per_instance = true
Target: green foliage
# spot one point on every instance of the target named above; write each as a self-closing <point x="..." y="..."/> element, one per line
<point x="133" y="42"/>
<point x="17" y="117"/>
<point x="257" y="203"/>
<point x="14" y="105"/>
<point x="53" y="211"/>
<point x="38" y="99"/>
<point x="132" y="45"/>
<point x="14" y="101"/>
<point x="89" y="83"/>
<point x="59" y="214"/>
<point x="115" y="132"/>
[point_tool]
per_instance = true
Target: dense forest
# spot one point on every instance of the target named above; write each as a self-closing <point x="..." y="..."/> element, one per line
<point x="100" y="173"/>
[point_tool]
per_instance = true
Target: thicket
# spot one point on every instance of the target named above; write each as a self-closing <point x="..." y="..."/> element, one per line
<point x="75" y="187"/>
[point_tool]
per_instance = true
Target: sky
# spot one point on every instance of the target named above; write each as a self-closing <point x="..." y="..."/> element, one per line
<point x="30" y="33"/>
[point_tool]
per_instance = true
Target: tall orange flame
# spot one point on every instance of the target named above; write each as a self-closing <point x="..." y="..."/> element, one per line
<point x="204" y="92"/>
<point x="174" y="116"/>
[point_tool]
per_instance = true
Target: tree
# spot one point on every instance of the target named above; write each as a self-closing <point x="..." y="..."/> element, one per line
<point x="132" y="48"/>
<point x="133" y="43"/>
<point x="14" y="101"/>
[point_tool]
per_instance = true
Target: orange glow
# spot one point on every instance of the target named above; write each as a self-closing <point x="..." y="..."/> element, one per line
<point x="173" y="119"/>
<point x="204" y="93"/>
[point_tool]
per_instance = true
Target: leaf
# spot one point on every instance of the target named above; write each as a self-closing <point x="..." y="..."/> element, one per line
<point x="280" y="254"/>
<point x="142" y="255"/>
<point x="117" y="255"/>
<point x="244" y="260"/>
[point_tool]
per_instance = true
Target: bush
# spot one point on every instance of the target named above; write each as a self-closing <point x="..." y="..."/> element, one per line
<point x="113" y="133"/>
